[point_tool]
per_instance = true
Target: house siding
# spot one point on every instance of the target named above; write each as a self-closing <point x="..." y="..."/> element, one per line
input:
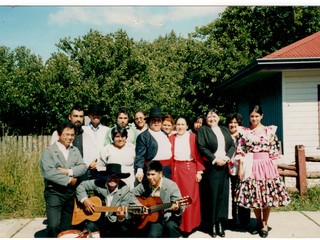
<point x="268" y="95"/>
<point x="300" y="112"/>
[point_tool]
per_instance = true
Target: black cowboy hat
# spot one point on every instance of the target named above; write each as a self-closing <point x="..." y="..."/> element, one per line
<point x="96" y="108"/>
<point x="155" y="112"/>
<point x="113" y="169"/>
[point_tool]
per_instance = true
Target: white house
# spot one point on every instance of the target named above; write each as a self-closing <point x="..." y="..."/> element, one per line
<point x="286" y="84"/>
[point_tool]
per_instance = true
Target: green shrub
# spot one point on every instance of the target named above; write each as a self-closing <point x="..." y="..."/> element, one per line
<point x="309" y="202"/>
<point x="21" y="182"/>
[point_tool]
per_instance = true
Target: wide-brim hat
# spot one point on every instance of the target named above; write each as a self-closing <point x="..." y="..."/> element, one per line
<point x="155" y="112"/>
<point x="113" y="169"/>
<point x="96" y="108"/>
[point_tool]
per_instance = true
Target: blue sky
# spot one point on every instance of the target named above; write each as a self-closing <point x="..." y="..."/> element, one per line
<point x="39" y="28"/>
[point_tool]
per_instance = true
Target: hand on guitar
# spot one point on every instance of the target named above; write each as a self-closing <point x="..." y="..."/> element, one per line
<point x="175" y="206"/>
<point x="153" y="206"/>
<point x="88" y="206"/>
<point x="120" y="213"/>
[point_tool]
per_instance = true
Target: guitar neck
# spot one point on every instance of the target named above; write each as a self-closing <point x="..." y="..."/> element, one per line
<point x="106" y="209"/>
<point x="160" y="207"/>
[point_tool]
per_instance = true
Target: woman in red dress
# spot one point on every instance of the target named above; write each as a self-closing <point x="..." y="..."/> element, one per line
<point x="186" y="172"/>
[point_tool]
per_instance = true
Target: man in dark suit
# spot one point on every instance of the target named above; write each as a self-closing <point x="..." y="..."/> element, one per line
<point x="156" y="185"/>
<point x="61" y="164"/>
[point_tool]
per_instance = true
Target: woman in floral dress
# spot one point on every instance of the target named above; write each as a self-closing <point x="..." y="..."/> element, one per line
<point x="260" y="186"/>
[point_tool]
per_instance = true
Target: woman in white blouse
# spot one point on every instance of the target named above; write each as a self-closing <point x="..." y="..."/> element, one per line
<point x="121" y="152"/>
<point x="187" y="173"/>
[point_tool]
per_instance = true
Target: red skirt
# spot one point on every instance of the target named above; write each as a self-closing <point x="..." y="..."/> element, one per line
<point x="184" y="174"/>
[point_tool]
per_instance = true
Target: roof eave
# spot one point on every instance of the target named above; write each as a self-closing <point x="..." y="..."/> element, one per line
<point x="272" y="64"/>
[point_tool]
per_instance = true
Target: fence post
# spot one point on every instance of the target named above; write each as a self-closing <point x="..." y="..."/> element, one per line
<point x="301" y="169"/>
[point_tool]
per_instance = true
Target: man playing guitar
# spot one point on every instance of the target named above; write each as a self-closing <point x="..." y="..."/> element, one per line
<point x="115" y="192"/>
<point x="167" y="223"/>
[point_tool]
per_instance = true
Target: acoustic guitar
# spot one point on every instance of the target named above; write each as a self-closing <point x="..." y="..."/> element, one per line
<point x="79" y="214"/>
<point x="155" y="205"/>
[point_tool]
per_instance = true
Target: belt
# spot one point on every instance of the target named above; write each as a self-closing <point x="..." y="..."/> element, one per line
<point x="59" y="188"/>
<point x="165" y="162"/>
<point x="260" y="155"/>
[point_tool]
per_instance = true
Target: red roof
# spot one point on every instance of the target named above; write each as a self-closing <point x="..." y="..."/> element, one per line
<point x="308" y="47"/>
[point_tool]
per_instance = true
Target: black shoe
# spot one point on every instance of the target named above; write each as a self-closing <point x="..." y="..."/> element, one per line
<point x="263" y="233"/>
<point x="220" y="230"/>
<point x="204" y="227"/>
<point x="185" y="234"/>
<point x="255" y="230"/>
<point x="214" y="231"/>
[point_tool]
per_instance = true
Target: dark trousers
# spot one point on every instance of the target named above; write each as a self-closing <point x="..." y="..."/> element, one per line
<point x="59" y="209"/>
<point x="214" y="195"/>
<point x="238" y="213"/>
<point x="162" y="229"/>
<point x="109" y="229"/>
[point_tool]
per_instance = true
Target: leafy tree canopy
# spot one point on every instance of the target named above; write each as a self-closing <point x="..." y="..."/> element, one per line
<point x="179" y="74"/>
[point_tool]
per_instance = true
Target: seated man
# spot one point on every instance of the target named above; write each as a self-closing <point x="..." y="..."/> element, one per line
<point x="110" y="188"/>
<point x="156" y="185"/>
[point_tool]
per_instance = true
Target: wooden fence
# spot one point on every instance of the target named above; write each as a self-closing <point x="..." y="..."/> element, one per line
<point x="299" y="169"/>
<point x="25" y="143"/>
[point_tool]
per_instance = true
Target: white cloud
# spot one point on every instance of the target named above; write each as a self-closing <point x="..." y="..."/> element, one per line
<point x="135" y="17"/>
<point x="181" y="13"/>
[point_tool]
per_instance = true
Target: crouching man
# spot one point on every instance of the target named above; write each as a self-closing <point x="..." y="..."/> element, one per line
<point x="114" y="192"/>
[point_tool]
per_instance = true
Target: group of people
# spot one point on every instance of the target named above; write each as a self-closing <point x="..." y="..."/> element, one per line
<point x="155" y="162"/>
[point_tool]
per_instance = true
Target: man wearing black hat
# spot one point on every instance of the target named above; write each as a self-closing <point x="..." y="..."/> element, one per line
<point x="110" y="188"/>
<point x="153" y="144"/>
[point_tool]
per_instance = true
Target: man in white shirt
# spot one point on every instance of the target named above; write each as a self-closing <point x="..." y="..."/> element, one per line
<point x="94" y="137"/>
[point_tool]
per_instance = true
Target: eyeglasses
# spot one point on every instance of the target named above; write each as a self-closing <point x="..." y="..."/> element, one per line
<point x="156" y="120"/>
<point x="139" y="118"/>
<point x="67" y="135"/>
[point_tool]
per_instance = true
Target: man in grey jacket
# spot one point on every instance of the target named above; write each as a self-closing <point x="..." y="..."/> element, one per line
<point x="115" y="193"/>
<point x="61" y="164"/>
<point x="157" y="186"/>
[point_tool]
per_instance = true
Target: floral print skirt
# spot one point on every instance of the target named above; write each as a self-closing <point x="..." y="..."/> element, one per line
<point x="263" y="188"/>
<point x="262" y="193"/>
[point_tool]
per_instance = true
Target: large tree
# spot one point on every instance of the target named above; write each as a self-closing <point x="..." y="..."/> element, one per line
<point x="242" y="34"/>
<point x="21" y="91"/>
<point x="179" y="74"/>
